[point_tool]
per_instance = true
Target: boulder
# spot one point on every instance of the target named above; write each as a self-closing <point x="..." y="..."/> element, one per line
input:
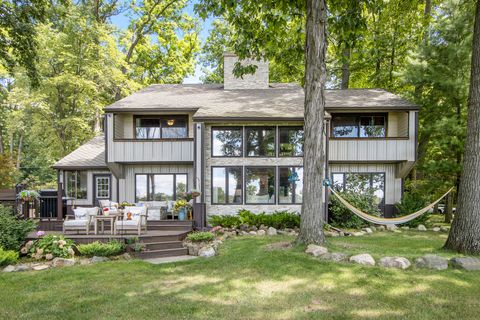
<point x="63" y="262"/>
<point x="96" y="259"/>
<point x="445" y="229"/>
<point x="431" y="261"/>
<point x="405" y="228"/>
<point x="466" y="263"/>
<point x="367" y="230"/>
<point x="253" y="228"/>
<point x="244" y="233"/>
<point x="358" y="234"/>
<point x="282" y="232"/>
<point x="22" y="267"/>
<point x="272" y="231"/>
<point x="436" y="229"/>
<point x="9" y="268"/>
<point x="244" y="227"/>
<point x="40" y="267"/>
<point x="331" y="234"/>
<point x="261" y="232"/>
<point x="394" y="262"/>
<point x="253" y="233"/>
<point x="206" y="252"/>
<point x="421" y="227"/>
<point x="391" y="227"/>
<point x="193" y="248"/>
<point x="316" y="250"/>
<point x="373" y="228"/>
<point x="334" y="256"/>
<point x="84" y="262"/>
<point x="363" y="259"/>
<point x="381" y="228"/>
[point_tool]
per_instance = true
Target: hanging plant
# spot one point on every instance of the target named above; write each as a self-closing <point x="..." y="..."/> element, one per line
<point x="28" y="195"/>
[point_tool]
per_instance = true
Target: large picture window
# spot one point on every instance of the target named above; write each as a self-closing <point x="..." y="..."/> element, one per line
<point x="76" y="184"/>
<point x="260" y="141"/>
<point x="290" y="185"/>
<point x="227" y="185"/>
<point x="161" y="127"/>
<point x="359" y="182"/>
<point x="260" y="185"/>
<point x="359" y="126"/>
<point x="159" y="187"/>
<point x="227" y="142"/>
<point x="291" y="141"/>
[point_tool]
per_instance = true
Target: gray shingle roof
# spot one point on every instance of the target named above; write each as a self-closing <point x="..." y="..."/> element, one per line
<point x="282" y="101"/>
<point x="89" y="155"/>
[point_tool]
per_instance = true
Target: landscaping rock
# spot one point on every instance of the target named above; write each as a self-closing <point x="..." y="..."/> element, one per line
<point x="96" y="259"/>
<point x="394" y="262"/>
<point x="316" y="250"/>
<point x="436" y="229"/>
<point x="22" y="267"/>
<point x="283" y="232"/>
<point x="272" y="231"/>
<point x="206" y="252"/>
<point x="40" y="267"/>
<point x="391" y="227"/>
<point x="9" y="268"/>
<point x="244" y="227"/>
<point x="193" y="248"/>
<point x="253" y="233"/>
<point x="331" y="234"/>
<point x="243" y="233"/>
<point x="363" y="259"/>
<point x="421" y="227"/>
<point x="261" y="232"/>
<point x="367" y="230"/>
<point x="381" y="228"/>
<point x="405" y="228"/>
<point x="445" y="229"/>
<point x="358" y="234"/>
<point x="373" y="228"/>
<point x="84" y="262"/>
<point x="334" y="256"/>
<point x="431" y="261"/>
<point x="466" y="263"/>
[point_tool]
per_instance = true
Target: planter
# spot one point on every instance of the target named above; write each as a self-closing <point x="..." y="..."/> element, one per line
<point x="182" y="214"/>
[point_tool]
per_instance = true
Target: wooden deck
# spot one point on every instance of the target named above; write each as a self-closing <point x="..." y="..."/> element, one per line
<point x="162" y="239"/>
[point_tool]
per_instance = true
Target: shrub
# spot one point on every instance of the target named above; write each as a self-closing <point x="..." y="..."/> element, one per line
<point x="341" y="217"/>
<point x="13" y="231"/>
<point x="8" y="257"/>
<point x="225" y="221"/>
<point x="97" y="248"/>
<point x="49" y="247"/>
<point x="277" y="219"/>
<point x="203" y="236"/>
<point x="411" y="202"/>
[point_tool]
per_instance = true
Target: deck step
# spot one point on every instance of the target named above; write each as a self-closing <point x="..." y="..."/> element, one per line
<point x="169" y="227"/>
<point x="163" y="245"/>
<point x="162" y="253"/>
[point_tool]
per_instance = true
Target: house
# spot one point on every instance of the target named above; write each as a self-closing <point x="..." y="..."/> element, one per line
<point x="240" y="144"/>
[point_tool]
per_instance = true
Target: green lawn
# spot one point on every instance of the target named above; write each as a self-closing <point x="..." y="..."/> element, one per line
<point x="248" y="282"/>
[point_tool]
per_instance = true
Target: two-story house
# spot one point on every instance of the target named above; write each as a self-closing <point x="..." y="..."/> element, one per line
<point x="241" y="144"/>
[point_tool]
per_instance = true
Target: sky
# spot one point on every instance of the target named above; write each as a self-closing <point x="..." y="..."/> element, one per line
<point x="121" y="21"/>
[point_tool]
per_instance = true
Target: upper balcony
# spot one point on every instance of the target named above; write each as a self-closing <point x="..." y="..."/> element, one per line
<point x="380" y="137"/>
<point x="149" y="138"/>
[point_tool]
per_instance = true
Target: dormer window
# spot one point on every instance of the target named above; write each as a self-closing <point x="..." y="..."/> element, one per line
<point x="359" y="126"/>
<point x="161" y="127"/>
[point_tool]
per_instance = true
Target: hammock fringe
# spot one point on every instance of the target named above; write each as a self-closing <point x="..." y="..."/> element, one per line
<point x="387" y="221"/>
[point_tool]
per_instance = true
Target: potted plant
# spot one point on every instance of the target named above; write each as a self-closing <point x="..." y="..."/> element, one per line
<point x="181" y="207"/>
<point x="28" y="196"/>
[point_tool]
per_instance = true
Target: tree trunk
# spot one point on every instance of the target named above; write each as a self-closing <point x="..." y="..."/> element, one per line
<point x="1" y="144"/>
<point x="435" y="209"/>
<point x="19" y="150"/>
<point x="311" y="225"/>
<point x="449" y="208"/>
<point x="345" y="68"/>
<point x="465" y="233"/>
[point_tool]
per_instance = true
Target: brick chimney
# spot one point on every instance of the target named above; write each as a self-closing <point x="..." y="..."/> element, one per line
<point x="258" y="80"/>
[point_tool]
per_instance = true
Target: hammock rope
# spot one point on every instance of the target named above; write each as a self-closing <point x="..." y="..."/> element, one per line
<point x="387" y="221"/>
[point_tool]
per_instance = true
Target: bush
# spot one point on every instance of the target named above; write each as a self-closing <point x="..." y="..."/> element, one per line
<point x="97" y="248"/>
<point x="341" y="217"/>
<point x="8" y="257"/>
<point x="203" y="236"/>
<point x="277" y="219"/>
<point x="411" y="202"/>
<point x="13" y="231"/>
<point x="49" y="247"/>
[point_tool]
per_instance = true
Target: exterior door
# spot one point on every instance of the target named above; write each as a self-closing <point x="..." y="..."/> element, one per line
<point x="102" y="187"/>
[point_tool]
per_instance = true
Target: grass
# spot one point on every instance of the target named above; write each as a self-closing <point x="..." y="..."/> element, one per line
<point x="248" y="282"/>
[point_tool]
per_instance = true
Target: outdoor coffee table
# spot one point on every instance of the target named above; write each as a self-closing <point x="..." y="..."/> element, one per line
<point x="111" y="217"/>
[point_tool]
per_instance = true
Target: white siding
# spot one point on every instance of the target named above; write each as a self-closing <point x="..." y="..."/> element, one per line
<point x="151" y="151"/>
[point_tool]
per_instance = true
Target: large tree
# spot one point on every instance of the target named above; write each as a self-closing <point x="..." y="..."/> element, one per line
<point x="465" y="233"/>
<point x="257" y="25"/>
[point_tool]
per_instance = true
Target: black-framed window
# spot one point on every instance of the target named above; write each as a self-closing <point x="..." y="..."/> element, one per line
<point x="290" y="141"/>
<point x="359" y="182"/>
<point x="159" y="187"/>
<point x="260" y="185"/>
<point x="290" y="186"/>
<point x="260" y="141"/>
<point x="359" y="126"/>
<point x="161" y="127"/>
<point x="227" y="142"/>
<point x="227" y="185"/>
<point x="76" y="184"/>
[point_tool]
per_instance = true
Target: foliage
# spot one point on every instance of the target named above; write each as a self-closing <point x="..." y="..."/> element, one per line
<point x="8" y="172"/>
<point x="202" y="236"/>
<point x="180" y="204"/>
<point x="277" y="219"/>
<point x="340" y="216"/>
<point x="190" y="195"/>
<point x="8" y="257"/>
<point x="412" y="201"/>
<point x="49" y="247"/>
<point x="100" y="249"/>
<point x="13" y="231"/>
<point x="28" y="195"/>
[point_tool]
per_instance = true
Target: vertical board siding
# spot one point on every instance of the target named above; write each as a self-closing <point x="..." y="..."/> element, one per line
<point x="393" y="186"/>
<point x="150" y="151"/>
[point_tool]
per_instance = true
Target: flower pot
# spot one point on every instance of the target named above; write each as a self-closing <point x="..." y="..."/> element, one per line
<point x="182" y="214"/>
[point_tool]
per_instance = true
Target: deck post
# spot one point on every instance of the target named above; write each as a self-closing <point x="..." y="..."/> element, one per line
<point x="59" y="201"/>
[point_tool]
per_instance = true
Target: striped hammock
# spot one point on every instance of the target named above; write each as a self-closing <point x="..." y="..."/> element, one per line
<point x="387" y="221"/>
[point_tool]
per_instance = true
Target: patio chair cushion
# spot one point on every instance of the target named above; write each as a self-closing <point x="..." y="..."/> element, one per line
<point x="135" y="212"/>
<point x="75" y="223"/>
<point x="104" y="203"/>
<point x="126" y="224"/>
<point x="80" y="213"/>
